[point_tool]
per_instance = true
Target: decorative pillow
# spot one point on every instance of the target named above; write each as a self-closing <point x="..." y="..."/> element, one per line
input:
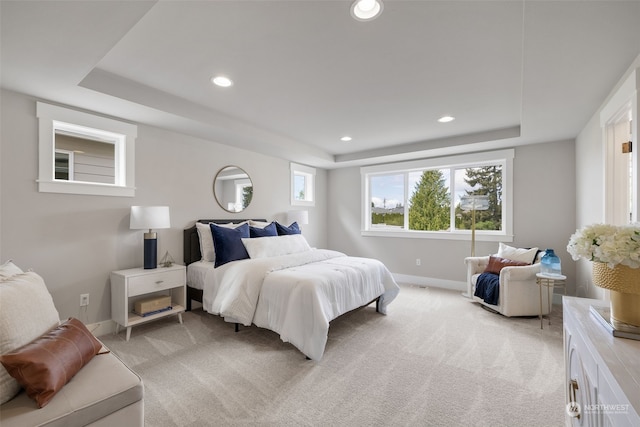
<point x="47" y="363"/>
<point x="517" y="254"/>
<point x="276" y="246"/>
<point x="496" y="264"/>
<point x="206" y="240"/>
<point x="227" y="243"/>
<point x="284" y="230"/>
<point x="266" y="231"/>
<point x="27" y="312"/>
<point x="9" y="269"/>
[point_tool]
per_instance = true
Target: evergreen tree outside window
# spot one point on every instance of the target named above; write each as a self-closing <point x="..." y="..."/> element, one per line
<point x="422" y="198"/>
<point x="430" y="203"/>
<point x="486" y="180"/>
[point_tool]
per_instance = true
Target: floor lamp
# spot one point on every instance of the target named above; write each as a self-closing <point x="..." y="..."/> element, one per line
<point x="473" y="204"/>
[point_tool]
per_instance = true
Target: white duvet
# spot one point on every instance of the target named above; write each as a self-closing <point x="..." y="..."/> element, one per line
<point x="297" y="295"/>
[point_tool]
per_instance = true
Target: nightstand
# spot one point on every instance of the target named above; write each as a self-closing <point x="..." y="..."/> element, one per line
<point x="129" y="286"/>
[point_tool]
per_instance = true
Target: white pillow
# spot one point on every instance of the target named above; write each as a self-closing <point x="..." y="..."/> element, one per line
<point x="258" y="224"/>
<point x="517" y="254"/>
<point x="206" y="242"/>
<point x="27" y="312"/>
<point x="9" y="269"/>
<point x="263" y="247"/>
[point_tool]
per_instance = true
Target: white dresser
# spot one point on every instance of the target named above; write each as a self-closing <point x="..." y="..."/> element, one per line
<point x="602" y="372"/>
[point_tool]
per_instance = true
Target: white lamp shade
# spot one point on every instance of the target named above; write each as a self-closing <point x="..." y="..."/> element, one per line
<point x="478" y="203"/>
<point x="301" y="217"/>
<point x="149" y="217"/>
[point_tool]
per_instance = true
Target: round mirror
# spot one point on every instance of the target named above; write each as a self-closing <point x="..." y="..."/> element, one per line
<point x="233" y="189"/>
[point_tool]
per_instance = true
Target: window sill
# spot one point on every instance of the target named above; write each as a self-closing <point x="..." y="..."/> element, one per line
<point x="86" y="188"/>
<point x="442" y="235"/>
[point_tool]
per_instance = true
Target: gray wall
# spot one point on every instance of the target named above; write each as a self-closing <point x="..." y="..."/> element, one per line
<point x="544" y="216"/>
<point x="589" y="195"/>
<point x="75" y="241"/>
<point x="590" y="189"/>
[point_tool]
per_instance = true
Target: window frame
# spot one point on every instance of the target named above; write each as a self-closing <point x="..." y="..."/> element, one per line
<point x="89" y="126"/>
<point x="502" y="157"/>
<point x="309" y="175"/>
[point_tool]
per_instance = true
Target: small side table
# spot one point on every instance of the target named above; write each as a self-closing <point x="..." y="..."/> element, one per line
<point x="550" y="281"/>
<point x="130" y="285"/>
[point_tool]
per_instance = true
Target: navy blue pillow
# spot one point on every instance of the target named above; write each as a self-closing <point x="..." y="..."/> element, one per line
<point x="268" y="231"/>
<point x="228" y="243"/>
<point x="284" y="230"/>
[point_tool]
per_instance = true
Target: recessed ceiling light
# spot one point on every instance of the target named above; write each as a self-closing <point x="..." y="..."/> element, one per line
<point x="366" y="10"/>
<point x="346" y="138"/>
<point x="446" y="119"/>
<point x="221" y="81"/>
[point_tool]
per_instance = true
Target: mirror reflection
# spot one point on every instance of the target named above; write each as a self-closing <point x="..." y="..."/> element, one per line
<point x="233" y="189"/>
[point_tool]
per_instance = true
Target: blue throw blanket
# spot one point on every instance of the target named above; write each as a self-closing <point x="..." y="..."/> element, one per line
<point x="488" y="288"/>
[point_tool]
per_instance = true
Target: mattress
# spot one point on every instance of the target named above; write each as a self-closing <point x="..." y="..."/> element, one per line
<point x="197" y="273"/>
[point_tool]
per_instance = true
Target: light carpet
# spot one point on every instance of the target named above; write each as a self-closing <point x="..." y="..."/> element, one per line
<point x="436" y="359"/>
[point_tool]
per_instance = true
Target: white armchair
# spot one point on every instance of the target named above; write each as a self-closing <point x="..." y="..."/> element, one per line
<point x="519" y="294"/>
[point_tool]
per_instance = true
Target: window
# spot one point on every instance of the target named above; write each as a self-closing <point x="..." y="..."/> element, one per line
<point x="81" y="153"/>
<point x="302" y="185"/>
<point x="422" y="198"/>
<point x="64" y="165"/>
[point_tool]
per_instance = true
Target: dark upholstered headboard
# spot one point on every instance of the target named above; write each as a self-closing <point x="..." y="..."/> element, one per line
<point x="191" y="247"/>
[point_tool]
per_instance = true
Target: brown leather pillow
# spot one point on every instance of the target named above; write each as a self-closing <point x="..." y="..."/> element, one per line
<point x="496" y="264"/>
<point x="47" y="363"/>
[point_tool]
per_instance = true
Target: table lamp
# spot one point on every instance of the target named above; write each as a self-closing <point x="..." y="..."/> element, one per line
<point x="299" y="216"/>
<point x="148" y="218"/>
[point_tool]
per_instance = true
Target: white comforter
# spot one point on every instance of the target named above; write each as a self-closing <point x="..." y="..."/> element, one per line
<point x="297" y="295"/>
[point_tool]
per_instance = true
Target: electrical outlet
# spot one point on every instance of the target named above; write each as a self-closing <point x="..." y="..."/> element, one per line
<point x="417" y="261"/>
<point x="84" y="300"/>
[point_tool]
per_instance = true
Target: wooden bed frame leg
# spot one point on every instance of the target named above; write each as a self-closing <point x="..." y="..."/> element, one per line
<point x="378" y="305"/>
<point x="237" y="327"/>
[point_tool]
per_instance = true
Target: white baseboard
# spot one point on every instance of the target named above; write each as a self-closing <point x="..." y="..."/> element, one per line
<point x="109" y="326"/>
<point x="102" y="328"/>
<point x="431" y="282"/>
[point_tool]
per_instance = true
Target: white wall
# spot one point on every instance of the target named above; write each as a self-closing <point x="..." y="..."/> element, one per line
<point x="590" y="178"/>
<point x="544" y="216"/>
<point x="589" y="195"/>
<point x="75" y="241"/>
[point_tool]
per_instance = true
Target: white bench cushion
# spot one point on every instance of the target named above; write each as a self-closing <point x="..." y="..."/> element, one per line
<point x="105" y="385"/>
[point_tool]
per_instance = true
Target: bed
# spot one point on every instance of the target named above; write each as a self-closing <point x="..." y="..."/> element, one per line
<point x="293" y="292"/>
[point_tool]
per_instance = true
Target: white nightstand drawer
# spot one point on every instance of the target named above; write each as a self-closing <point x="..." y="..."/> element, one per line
<point x="140" y="285"/>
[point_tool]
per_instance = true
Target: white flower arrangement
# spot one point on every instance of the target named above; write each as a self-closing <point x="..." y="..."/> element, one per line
<point x="607" y="243"/>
